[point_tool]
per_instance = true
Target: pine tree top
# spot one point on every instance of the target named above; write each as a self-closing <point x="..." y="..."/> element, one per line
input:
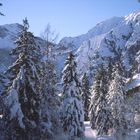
<point x="69" y="71"/>
<point x="25" y="24"/>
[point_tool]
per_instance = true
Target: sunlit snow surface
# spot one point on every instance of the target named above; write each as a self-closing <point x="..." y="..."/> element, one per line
<point x="135" y="82"/>
<point x="91" y="134"/>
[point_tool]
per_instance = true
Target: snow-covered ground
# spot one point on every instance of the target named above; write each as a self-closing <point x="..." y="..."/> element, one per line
<point x="89" y="133"/>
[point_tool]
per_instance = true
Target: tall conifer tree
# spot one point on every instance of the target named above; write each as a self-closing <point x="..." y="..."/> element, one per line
<point x="100" y="113"/>
<point x="73" y="114"/>
<point x="24" y="92"/>
<point x="86" y="95"/>
<point x="117" y="101"/>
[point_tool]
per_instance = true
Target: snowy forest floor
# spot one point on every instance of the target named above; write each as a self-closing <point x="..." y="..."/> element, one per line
<point x="91" y="135"/>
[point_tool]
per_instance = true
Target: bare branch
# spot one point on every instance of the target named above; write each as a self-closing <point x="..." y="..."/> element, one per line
<point x="50" y="37"/>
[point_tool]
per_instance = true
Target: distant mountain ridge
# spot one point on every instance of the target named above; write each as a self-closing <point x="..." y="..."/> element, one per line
<point x="8" y="34"/>
<point x="102" y="41"/>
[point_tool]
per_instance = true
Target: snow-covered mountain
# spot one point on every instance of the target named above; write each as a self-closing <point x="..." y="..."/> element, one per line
<point x="116" y="38"/>
<point x="100" y="28"/>
<point x="8" y="34"/>
<point x="68" y="44"/>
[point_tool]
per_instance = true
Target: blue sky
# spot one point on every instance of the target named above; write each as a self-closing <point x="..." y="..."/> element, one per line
<point x="68" y="17"/>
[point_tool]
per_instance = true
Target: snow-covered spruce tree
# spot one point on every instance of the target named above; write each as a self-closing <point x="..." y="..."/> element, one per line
<point x="23" y="96"/>
<point x="95" y="95"/>
<point x="51" y="103"/>
<point x="86" y="96"/>
<point x="72" y="109"/>
<point x="50" y="100"/>
<point x="3" y="82"/>
<point x="3" y="117"/>
<point x="117" y="101"/>
<point x="3" y="109"/>
<point x="53" y="99"/>
<point x="100" y="113"/>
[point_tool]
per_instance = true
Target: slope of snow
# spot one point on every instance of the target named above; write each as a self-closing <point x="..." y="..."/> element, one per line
<point x="134" y="82"/>
<point x="87" y="51"/>
<point x="124" y="34"/>
<point x="101" y="42"/>
<point x="100" y="28"/>
<point x="68" y="44"/>
<point x="133" y="16"/>
<point x="8" y="35"/>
